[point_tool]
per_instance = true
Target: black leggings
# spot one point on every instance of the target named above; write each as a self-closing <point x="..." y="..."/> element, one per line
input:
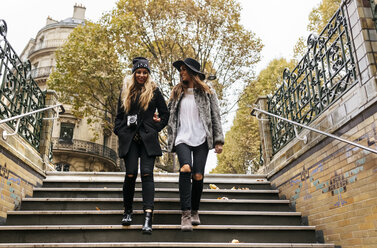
<point x="146" y="168"/>
<point x="196" y="158"/>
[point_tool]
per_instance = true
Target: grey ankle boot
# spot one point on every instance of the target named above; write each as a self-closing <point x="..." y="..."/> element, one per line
<point x="195" y="220"/>
<point x="186" y="225"/>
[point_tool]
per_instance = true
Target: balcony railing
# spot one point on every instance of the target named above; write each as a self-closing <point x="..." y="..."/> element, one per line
<point x="47" y="44"/>
<point x="41" y="71"/>
<point x="19" y="93"/>
<point x="373" y="5"/>
<point x="86" y="147"/>
<point x="322" y="76"/>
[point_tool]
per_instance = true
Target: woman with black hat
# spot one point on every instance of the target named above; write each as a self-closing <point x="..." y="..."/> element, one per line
<point x="137" y="128"/>
<point x="194" y="128"/>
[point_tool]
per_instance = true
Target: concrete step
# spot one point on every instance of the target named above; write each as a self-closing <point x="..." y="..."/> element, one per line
<point x="161" y="233"/>
<point x="119" y="176"/>
<point x="160" y="204"/>
<point x="162" y="180"/>
<point x="168" y="244"/>
<point x="83" y="184"/>
<point x="84" y="210"/>
<point x="113" y="217"/>
<point x="159" y="193"/>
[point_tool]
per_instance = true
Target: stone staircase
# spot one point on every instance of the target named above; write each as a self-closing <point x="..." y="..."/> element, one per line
<point x="85" y="209"/>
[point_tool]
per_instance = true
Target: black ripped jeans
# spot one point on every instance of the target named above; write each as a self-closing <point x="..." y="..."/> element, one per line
<point x="137" y="150"/>
<point x="196" y="157"/>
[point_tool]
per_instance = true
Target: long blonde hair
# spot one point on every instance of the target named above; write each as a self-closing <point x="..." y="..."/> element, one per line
<point x="198" y="83"/>
<point x="129" y="92"/>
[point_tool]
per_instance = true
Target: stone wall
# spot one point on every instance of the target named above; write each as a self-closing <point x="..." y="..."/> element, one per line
<point x="22" y="167"/>
<point x="331" y="182"/>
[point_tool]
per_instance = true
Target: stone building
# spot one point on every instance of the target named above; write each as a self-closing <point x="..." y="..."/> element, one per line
<point x="74" y="148"/>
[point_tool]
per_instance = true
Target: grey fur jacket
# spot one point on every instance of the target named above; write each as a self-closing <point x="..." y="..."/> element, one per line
<point x="209" y="113"/>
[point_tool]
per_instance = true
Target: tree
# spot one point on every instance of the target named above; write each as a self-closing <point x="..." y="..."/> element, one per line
<point x="88" y="74"/>
<point x="207" y="30"/>
<point x="166" y="31"/>
<point x="163" y="31"/>
<point x="91" y="65"/>
<point x="241" y="148"/>
<point x="318" y="19"/>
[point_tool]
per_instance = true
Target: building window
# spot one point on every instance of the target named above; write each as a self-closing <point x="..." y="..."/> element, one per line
<point x="66" y="132"/>
<point x="105" y="140"/>
<point x="35" y="66"/>
<point x="41" y="40"/>
<point x="62" y="167"/>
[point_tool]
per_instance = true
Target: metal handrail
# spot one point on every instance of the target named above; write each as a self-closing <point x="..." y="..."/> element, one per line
<point x="5" y="133"/>
<point x="311" y="129"/>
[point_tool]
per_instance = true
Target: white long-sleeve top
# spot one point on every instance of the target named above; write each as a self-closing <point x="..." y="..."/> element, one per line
<point x="190" y="129"/>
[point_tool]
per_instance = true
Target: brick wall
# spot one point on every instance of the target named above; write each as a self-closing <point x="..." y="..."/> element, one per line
<point x="17" y="180"/>
<point x="335" y="185"/>
<point x="331" y="182"/>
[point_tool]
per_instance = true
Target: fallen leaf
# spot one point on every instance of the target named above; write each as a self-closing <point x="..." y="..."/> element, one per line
<point x="98" y="209"/>
<point x="223" y="198"/>
<point x="213" y="186"/>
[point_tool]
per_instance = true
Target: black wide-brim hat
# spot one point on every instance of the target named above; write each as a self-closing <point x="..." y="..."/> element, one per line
<point x="192" y="65"/>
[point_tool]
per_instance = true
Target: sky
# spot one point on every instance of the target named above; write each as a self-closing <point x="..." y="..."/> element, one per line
<point x="278" y="23"/>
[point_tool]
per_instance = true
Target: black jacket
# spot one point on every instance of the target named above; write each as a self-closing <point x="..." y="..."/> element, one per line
<point x="147" y="127"/>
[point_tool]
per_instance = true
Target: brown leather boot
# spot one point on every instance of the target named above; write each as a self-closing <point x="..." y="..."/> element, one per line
<point x="186" y="225"/>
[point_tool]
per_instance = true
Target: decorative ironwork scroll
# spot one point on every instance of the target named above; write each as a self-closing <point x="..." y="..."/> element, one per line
<point x="325" y="73"/>
<point x="19" y="93"/>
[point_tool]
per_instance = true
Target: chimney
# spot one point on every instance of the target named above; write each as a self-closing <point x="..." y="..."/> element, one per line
<point x="50" y="20"/>
<point x="79" y="12"/>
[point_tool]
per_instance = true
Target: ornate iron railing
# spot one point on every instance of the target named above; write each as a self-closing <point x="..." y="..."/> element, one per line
<point x="325" y="73"/>
<point x="85" y="146"/>
<point x="19" y="93"/>
<point x="261" y="160"/>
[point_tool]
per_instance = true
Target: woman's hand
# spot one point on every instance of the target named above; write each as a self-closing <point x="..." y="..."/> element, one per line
<point x="218" y="148"/>
<point x="156" y="118"/>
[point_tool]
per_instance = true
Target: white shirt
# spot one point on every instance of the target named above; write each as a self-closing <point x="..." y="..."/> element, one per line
<point x="190" y="128"/>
